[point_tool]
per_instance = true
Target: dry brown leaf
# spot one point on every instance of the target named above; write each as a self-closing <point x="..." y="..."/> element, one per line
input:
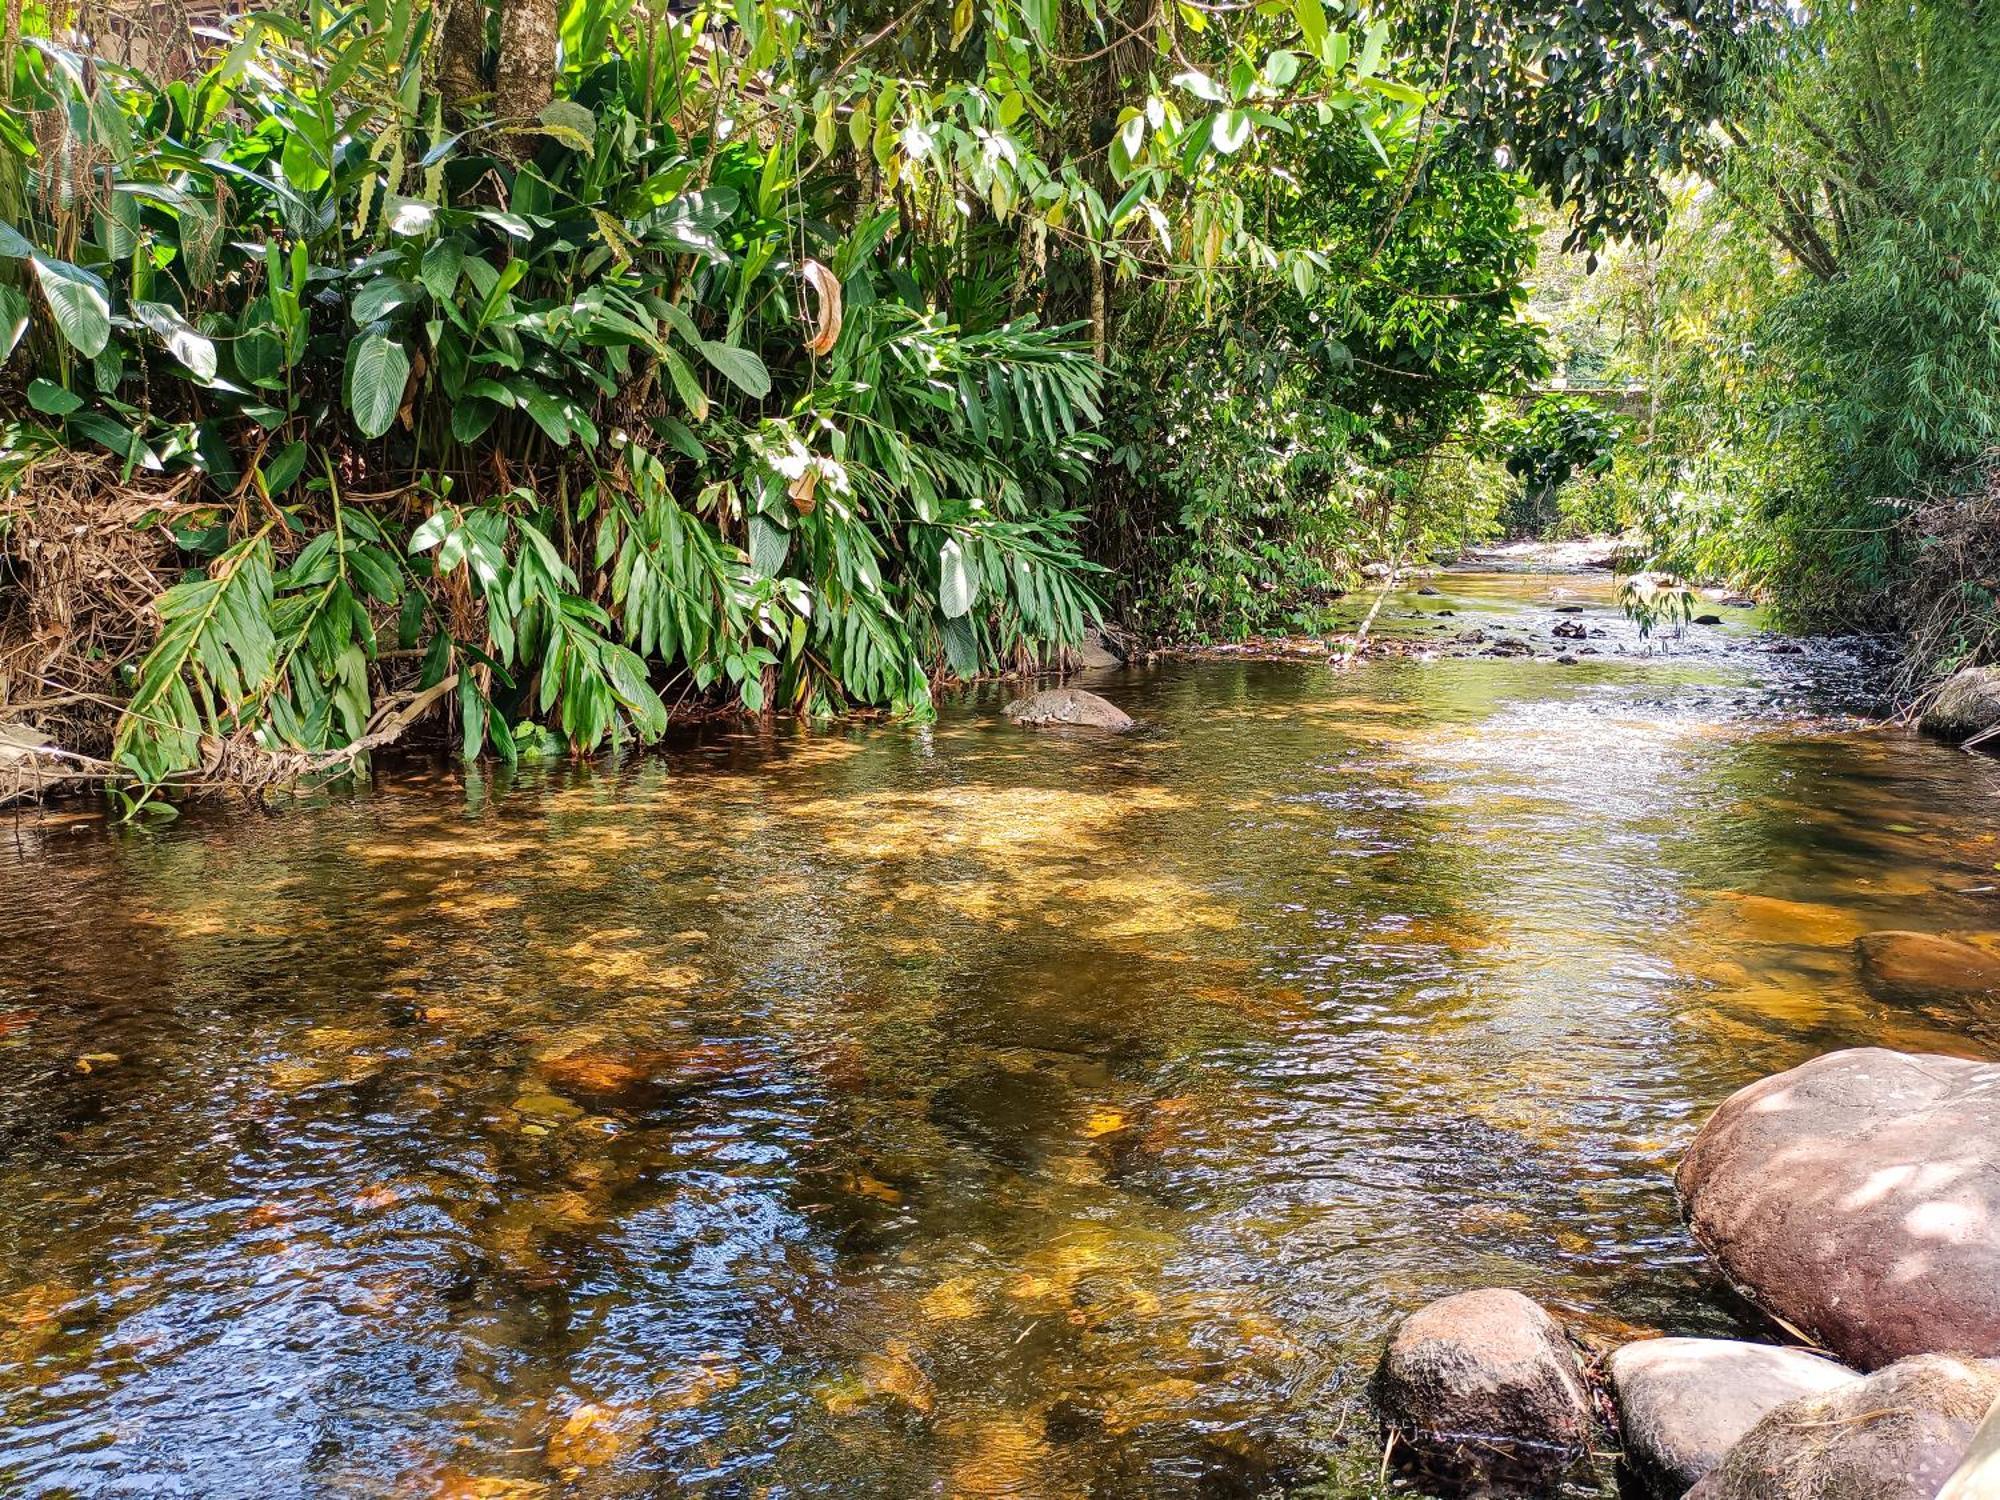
<point x="825" y="322"/>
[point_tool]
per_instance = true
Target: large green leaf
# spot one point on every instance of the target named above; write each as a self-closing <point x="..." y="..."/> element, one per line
<point x="13" y="319"/>
<point x="382" y="296"/>
<point x="439" y="272"/>
<point x="961" y="646"/>
<point x="375" y="383"/>
<point x="79" y="303"/>
<point x="769" y="544"/>
<point x="958" y="585"/>
<point x="740" y="366"/>
<point x="547" y="412"/>
<point x="45" y="396"/>
<point x="182" y="339"/>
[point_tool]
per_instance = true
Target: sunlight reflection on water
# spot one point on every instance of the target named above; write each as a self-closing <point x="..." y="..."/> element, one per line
<point x="899" y="1111"/>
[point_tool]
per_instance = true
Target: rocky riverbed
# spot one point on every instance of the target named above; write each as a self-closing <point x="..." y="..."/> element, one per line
<point x="1855" y="1199"/>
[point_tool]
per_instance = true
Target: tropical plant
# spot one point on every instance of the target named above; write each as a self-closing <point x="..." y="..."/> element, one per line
<point x="1558" y="437"/>
<point x="674" y="381"/>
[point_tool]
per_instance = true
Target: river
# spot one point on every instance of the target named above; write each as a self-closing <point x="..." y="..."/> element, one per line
<point x="894" y="1110"/>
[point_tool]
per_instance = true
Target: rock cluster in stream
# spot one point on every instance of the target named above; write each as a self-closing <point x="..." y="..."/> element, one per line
<point x="1855" y="1198"/>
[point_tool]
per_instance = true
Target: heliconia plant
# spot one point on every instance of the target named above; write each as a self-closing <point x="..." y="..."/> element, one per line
<point x="700" y="361"/>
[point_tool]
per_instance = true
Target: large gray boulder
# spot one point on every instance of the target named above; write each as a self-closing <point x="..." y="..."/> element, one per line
<point x="1068" y="706"/>
<point x="1920" y="967"/>
<point x="1683" y="1403"/>
<point x="1858" y="1198"/>
<point x="1485" y="1394"/>
<point x="1098" y="649"/>
<point x="1897" y="1435"/>
<point x="1966" y="704"/>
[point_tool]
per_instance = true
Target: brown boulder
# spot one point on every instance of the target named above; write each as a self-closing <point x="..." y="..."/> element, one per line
<point x="1915" y="967"/>
<point x="1897" y="1435"/>
<point x="1683" y="1403"/>
<point x="1484" y="1393"/>
<point x="1068" y="706"/>
<point x="1858" y="1197"/>
<point x="1968" y="703"/>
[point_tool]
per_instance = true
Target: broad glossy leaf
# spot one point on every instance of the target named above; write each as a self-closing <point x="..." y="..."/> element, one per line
<point x="78" y="301"/>
<point x="283" y="467"/>
<point x="383" y="296"/>
<point x="13" y="319"/>
<point x="379" y="372"/>
<point x="186" y="343"/>
<point x="958" y="584"/>
<point x="439" y="271"/>
<point x="770" y="543"/>
<point x="46" y="396"/>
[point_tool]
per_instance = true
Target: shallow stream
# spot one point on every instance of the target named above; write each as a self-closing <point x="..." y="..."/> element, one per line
<point x="950" y="1110"/>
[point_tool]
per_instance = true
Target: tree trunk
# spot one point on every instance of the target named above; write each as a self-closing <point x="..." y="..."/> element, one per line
<point x="526" y="79"/>
<point x="462" y="54"/>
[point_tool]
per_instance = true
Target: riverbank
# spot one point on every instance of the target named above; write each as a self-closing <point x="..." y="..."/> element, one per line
<point x="1470" y="609"/>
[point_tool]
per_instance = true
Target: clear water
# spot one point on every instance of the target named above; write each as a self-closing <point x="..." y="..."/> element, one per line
<point x="949" y="1110"/>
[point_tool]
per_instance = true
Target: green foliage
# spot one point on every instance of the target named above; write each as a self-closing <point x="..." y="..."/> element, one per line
<point x="1599" y="102"/>
<point x="1278" y="438"/>
<point x="1557" y="438"/>
<point x="1819" y="323"/>
<point x="718" y="375"/>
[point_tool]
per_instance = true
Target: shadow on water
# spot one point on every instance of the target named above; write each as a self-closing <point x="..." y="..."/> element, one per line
<point x="918" y="1110"/>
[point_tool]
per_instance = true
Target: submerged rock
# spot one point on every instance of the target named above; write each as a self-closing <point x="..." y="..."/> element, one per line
<point x="1070" y="706"/>
<point x="1858" y="1197"/>
<point x="1921" y="966"/>
<point x="1486" y="1394"/>
<point x="1966" y="704"/>
<point x="1683" y="1403"/>
<point x="606" y="1075"/>
<point x="1897" y="1435"/>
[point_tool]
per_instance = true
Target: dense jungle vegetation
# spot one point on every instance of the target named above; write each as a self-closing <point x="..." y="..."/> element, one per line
<point x="535" y="369"/>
